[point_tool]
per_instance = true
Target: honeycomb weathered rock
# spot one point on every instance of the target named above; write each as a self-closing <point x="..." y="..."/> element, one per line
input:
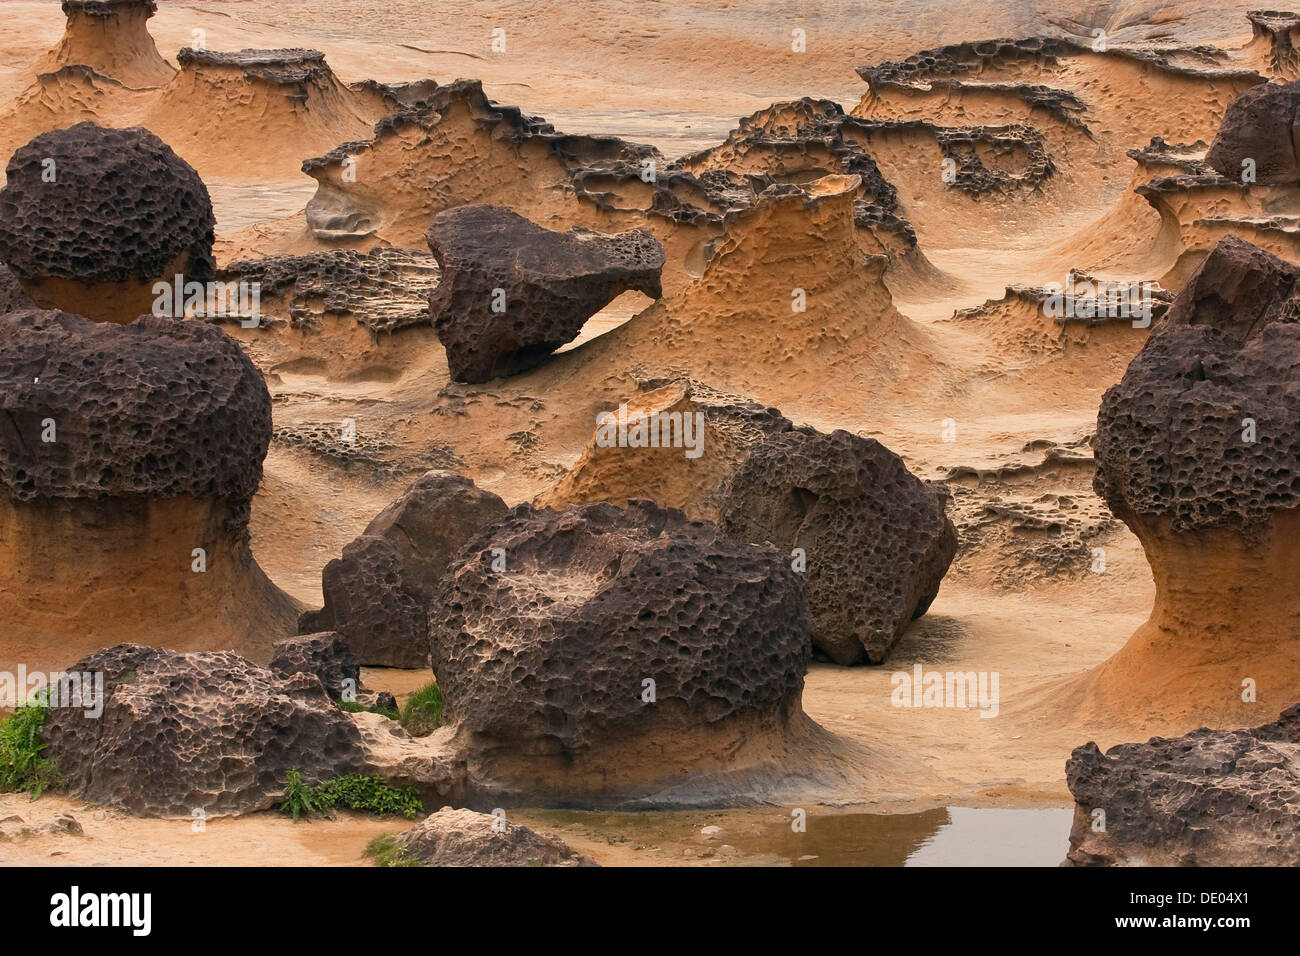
<point x="1260" y="125"/>
<point x="209" y="731"/>
<point x="104" y="205"/>
<point x="465" y="838"/>
<point x="876" y="539"/>
<point x="326" y="655"/>
<point x="159" y="408"/>
<point x="553" y="652"/>
<point x="550" y="284"/>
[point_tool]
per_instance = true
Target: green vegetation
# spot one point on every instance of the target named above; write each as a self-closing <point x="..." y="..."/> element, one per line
<point x="384" y="850"/>
<point x="352" y="707"/>
<point x="423" y="711"/>
<point x="351" y="792"/>
<point x="22" y="768"/>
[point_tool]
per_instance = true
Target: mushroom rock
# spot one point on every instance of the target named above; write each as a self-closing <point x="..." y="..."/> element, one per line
<point x="91" y="218"/>
<point x="875" y="538"/>
<point x="112" y="38"/>
<point x="129" y="455"/>
<point x="377" y="594"/>
<point x="512" y="292"/>
<point x="1198" y="452"/>
<point x="602" y="656"/>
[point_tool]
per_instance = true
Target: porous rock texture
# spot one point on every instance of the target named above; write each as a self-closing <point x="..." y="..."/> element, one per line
<point x="326" y="655"/>
<point x="552" y="282"/>
<point x="876" y="538"/>
<point x="377" y="595"/>
<point x="465" y="838"/>
<point x="159" y="408"/>
<point x="613" y="647"/>
<point x="1262" y="124"/>
<point x="208" y="731"/>
<point x="1208" y="798"/>
<point x="1238" y="289"/>
<point x="12" y="296"/>
<point x="95" y="206"/>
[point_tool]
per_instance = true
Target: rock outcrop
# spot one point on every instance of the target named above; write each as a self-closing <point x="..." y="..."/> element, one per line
<point x="1198" y="452"/>
<point x="598" y="654"/>
<point x="1260" y="126"/>
<point x="91" y="218"/>
<point x="12" y="296"/>
<point x="1208" y="798"/>
<point x="512" y="292"/>
<point x="465" y="838"/>
<point x="874" y="537"/>
<point x="129" y="456"/>
<point x="377" y="594"/>
<point x="207" y="731"/>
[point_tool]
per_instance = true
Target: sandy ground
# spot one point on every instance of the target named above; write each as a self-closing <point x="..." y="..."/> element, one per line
<point x="678" y="74"/>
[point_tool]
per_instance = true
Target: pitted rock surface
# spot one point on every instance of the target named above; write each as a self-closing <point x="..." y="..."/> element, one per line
<point x="554" y="650"/>
<point x="876" y="538"/>
<point x="377" y="595"/>
<point x="465" y="838"/>
<point x="1238" y="289"/>
<point x="122" y="206"/>
<point x="1209" y="798"/>
<point x="159" y="408"/>
<point x="552" y="281"/>
<point x="1262" y="124"/>
<point x="1173" y="437"/>
<point x="326" y="655"/>
<point x="208" y="731"/>
<point x="12" y="296"/>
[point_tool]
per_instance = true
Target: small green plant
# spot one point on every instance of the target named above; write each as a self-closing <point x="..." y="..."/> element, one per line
<point x="351" y="792"/>
<point x="302" y="800"/>
<point x="384" y="850"/>
<point x="353" y="707"/>
<point x="423" y="711"/>
<point x="22" y="768"/>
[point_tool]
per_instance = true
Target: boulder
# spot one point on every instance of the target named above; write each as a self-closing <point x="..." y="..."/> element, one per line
<point x="1208" y="798"/>
<point x="512" y="292"/>
<point x="204" y="731"/>
<point x="875" y="538"/>
<point x="325" y="655"/>
<point x="613" y="648"/>
<point x="377" y="594"/>
<point x="91" y="218"/>
<point x="465" y="838"/>
<point x="1261" y="124"/>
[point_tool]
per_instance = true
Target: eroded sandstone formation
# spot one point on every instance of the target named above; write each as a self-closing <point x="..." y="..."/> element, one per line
<point x="1208" y="798"/>
<point x="91" y="218"/>
<point x="129" y="455"/>
<point x="206" y="731"/>
<point x="874" y="537"/>
<point x="1198" y="452"/>
<point x="112" y="38"/>
<point x="325" y="655"/>
<point x="377" y="594"/>
<point x="598" y="654"/>
<point x="465" y="838"/>
<point x="512" y="292"/>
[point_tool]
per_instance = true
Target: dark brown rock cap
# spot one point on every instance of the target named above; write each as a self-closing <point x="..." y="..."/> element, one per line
<point x="876" y="538"/>
<point x="122" y="206"/>
<point x="1261" y="124"/>
<point x="552" y="283"/>
<point x="1204" y="428"/>
<point x="158" y="408"/>
<point x="554" y="650"/>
